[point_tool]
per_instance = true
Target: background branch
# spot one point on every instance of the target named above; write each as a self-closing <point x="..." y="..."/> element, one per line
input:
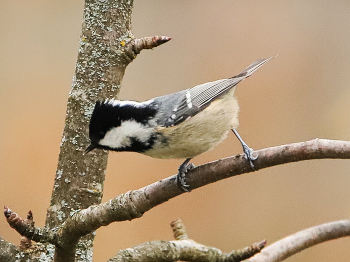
<point x="184" y="249"/>
<point x="301" y="240"/>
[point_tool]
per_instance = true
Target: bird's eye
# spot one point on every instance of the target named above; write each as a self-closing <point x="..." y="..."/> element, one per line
<point x="101" y="134"/>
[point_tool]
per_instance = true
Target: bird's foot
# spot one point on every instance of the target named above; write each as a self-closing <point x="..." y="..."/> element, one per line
<point x="181" y="176"/>
<point x="249" y="155"/>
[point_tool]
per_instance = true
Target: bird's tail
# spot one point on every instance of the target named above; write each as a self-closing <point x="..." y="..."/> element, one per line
<point x="253" y="67"/>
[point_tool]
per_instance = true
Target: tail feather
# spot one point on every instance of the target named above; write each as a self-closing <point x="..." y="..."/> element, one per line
<point x="253" y="67"/>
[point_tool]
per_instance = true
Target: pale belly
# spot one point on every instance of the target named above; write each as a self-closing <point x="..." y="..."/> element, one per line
<point x="200" y="133"/>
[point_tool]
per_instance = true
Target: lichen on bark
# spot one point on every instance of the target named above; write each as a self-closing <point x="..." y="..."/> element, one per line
<point x="100" y="67"/>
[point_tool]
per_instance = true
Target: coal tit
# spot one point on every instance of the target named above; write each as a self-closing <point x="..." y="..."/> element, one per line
<point x="179" y="125"/>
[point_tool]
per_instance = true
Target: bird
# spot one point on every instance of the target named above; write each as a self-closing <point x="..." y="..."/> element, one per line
<point x="179" y="125"/>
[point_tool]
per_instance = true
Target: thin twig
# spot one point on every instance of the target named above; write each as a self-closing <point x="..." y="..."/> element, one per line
<point x="301" y="240"/>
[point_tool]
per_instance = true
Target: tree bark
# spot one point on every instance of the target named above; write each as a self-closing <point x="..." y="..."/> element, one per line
<point x="99" y="71"/>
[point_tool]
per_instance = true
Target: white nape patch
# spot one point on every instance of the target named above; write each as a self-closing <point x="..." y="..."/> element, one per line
<point x="128" y="102"/>
<point x="119" y="137"/>
<point x="124" y="103"/>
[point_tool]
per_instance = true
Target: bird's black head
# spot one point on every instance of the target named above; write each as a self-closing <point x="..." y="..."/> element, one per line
<point x="111" y="114"/>
<point x="103" y="118"/>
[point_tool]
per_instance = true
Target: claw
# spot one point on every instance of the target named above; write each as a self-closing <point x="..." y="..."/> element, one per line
<point x="183" y="169"/>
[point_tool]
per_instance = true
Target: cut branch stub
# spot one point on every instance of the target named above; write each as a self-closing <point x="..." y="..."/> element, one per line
<point x="132" y="47"/>
<point x="15" y="221"/>
<point x="179" y="229"/>
<point x="149" y="42"/>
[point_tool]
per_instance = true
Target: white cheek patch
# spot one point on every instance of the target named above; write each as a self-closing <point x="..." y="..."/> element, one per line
<point x="119" y="137"/>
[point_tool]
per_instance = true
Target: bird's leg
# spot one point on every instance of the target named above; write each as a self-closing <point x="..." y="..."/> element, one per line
<point x="248" y="152"/>
<point x="183" y="168"/>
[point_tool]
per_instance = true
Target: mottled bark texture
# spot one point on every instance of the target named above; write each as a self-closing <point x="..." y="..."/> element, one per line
<point x="183" y="249"/>
<point x="99" y="71"/>
<point x="8" y="251"/>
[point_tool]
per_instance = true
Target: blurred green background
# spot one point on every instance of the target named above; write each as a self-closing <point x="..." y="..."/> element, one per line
<point x="300" y="95"/>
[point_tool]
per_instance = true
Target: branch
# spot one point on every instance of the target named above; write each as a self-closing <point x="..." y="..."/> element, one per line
<point x="135" y="203"/>
<point x="26" y="228"/>
<point x="26" y="251"/>
<point x="15" y="221"/>
<point x="268" y="157"/>
<point x="183" y="249"/>
<point x="301" y="240"/>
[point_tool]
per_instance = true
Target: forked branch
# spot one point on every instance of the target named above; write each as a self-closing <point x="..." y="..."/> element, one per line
<point x="135" y="203"/>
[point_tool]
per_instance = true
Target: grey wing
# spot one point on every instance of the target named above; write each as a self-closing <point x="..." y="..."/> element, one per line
<point x="178" y="107"/>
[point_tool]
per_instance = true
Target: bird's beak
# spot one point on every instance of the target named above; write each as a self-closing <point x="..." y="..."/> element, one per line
<point x="89" y="148"/>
